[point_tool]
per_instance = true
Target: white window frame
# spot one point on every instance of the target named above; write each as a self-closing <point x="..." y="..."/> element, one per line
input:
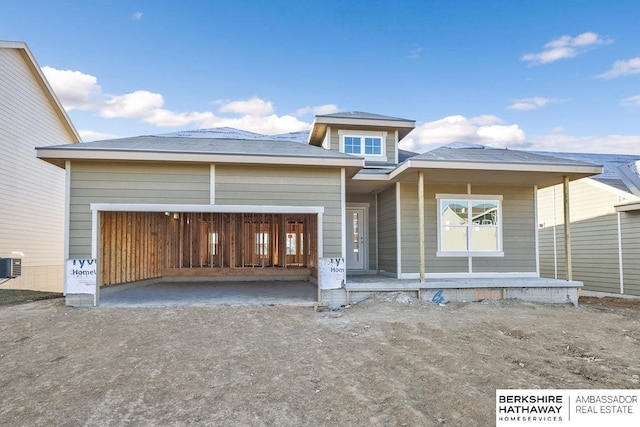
<point x="469" y="198"/>
<point x="365" y="134"/>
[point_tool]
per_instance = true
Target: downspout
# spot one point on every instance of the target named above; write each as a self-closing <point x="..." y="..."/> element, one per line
<point x="620" y="264"/>
<point x="567" y="230"/>
<point x="421" y="223"/>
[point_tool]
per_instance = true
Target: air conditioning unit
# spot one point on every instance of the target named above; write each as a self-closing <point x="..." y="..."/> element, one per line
<point x="10" y="268"/>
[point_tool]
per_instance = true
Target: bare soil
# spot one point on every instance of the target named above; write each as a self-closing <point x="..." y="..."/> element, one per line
<point x="391" y="360"/>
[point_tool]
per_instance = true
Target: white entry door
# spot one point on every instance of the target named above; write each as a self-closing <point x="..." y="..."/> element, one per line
<point x="356" y="238"/>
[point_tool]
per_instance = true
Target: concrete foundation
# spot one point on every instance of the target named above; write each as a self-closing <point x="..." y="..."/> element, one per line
<point x="80" y="300"/>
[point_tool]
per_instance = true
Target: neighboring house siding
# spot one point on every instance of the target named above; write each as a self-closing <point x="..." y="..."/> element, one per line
<point x="286" y="186"/>
<point x="518" y="231"/>
<point x="32" y="191"/>
<point x="630" y="226"/>
<point x="594" y="236"/>
<point x="387" y="231"/>
<point x="96" y="182"/>
<point x="390" y="139"/>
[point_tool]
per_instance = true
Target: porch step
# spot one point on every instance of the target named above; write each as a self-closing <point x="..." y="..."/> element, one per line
<point x="382" y="289"/>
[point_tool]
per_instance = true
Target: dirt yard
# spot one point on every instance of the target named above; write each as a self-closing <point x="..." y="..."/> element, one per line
<point x="387" y="361"/>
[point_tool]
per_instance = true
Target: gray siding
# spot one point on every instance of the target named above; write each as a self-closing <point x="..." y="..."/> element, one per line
<point x="286" y="186"/>
<point x="387" y="231"/>
<point x="96" y="182"/>
<point x="517" y="222"/>
<point x="630" y="225"/>
<point x="32" y="191"/>
<point x="594" y="237"/>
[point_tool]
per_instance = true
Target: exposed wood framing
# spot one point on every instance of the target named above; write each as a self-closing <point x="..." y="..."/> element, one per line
<point x="142" y="245"/>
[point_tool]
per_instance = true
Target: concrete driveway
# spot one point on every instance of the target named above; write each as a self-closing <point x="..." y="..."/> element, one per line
<point x="172" y="294"/>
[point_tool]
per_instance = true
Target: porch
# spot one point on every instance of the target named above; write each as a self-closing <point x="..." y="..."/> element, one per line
<point x="533" y="289"/>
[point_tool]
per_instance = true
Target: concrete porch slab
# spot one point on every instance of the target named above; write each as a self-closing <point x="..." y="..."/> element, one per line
<point x="171" y="294"/>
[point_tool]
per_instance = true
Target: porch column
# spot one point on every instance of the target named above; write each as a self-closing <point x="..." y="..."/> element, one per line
<point x="421" y="223"/>
<point x="567" y="230"/>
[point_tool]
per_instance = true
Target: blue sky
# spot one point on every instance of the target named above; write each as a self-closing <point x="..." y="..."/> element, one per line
<point x="544" y="75"/>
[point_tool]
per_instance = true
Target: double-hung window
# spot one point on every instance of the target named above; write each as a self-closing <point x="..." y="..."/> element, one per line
<point x="469" y="225"/>
<point x="368" y="144"/>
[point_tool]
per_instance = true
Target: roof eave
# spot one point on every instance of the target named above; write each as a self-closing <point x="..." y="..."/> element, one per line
<point x="59" y="155"/>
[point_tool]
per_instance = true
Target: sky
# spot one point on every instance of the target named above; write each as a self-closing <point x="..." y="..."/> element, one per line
<point x="561" y="75"/>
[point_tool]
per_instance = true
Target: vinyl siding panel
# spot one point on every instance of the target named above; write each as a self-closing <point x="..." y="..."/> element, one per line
<point x="32" y="194"/>
<point x="630" y="226"/>
<point x="97" y="182"/>
<point x="594" y="235"/>
<point x="387" y="231"/>
<point x="290" y="186"/>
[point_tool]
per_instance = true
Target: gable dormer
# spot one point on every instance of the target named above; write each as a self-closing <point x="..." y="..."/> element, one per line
<point x="372" y="136"/>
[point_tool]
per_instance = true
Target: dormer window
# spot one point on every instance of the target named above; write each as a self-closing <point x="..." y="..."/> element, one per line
<point x="369" y="144"/>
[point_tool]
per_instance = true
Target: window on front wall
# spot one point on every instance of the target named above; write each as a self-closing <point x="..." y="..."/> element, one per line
<point x="469" y="225"/>
<point x="370" y="144"/>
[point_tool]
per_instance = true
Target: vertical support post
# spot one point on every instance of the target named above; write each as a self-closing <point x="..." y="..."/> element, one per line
<point x="421" y="223"/>
<point x="567" y="230"/>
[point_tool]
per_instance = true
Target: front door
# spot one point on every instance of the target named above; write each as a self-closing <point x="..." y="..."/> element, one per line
<point x="356" y="238"/>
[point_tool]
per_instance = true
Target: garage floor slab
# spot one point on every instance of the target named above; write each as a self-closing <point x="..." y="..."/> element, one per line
<point x="172" y="294"/>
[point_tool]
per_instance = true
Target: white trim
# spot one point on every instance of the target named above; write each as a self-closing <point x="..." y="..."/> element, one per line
<point x="620" y="263"/>
<point x="628" y="207"/>
<point x="67" y="218"/>
<point x="469" y="264"/>
<point x="320" y="248"/>
<point x="535" y="229"/>
<point x="47" y="153"/>
<point x="364" y="134"/>
<point x="343" y="208"/>
<point x="477" y="254"/>
<point x="212" y="184"/>
<point x="327" y="139"/>
<point x="469" y="276"/>
<point x="555" y="235"/>
<point x="469" y="196"/>
<point x="397" y="158"/>
<point x="518" y="167"/>
<point x="398" y="231"/>
<point x="468" y="253"/>
<point x="136" y="207"/>
<point x="67" y="211"/>
<point x="94" y="234"/>
<point x="377" y="235"/>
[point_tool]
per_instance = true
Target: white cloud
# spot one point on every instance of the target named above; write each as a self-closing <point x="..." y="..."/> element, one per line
<point x="565" y="47"/>
<point x="254" y="107"/>
<point x="558" y="129"/>
<point x="622" y="68"/>
<point x="318" y="109"/>
<point x="89" y="135"/>
<point x="479" y="130"/>
<point x="75" y="90"/>
<point x="632" y="101"/>
<point x="137" y="16"/>
<point x="526" y="104"/>
<point x="81" y="91"/>
<point x="415" y="52"/>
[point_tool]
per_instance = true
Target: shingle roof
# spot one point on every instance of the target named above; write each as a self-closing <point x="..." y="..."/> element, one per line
<point x="199" y="145"/>
<point x="619" y="169"/>
<point x="462" y="152"/>
<point x="361" y="115"/>
<point x="233" y="133"/>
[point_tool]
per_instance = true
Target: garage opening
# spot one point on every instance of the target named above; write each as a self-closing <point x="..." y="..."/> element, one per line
<point x="142" y="245"/>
